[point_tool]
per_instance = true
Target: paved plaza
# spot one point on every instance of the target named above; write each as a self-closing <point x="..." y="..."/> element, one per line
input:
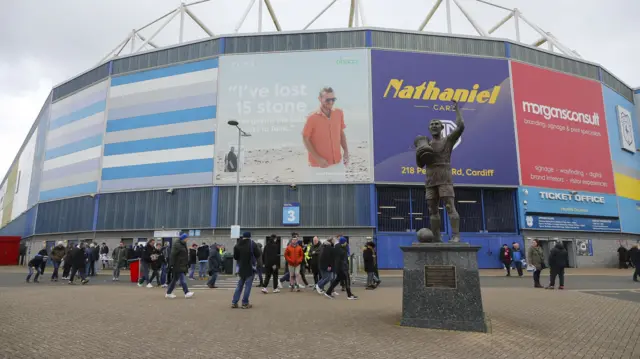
<point x="106" y="320"/>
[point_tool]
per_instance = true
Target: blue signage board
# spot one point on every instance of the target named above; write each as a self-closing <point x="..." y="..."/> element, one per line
<point x="571" y="203"/>
<point x="291" y="214"/>
<point x="565" y="223"/>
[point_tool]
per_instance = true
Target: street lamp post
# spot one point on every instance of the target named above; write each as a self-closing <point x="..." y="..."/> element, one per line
<point x="241" y="134"/>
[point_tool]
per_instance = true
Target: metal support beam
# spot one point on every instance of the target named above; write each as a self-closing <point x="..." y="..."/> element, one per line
<point x="120" y="46"/>
<point x="150" y="43"/>
<point x="133" y="41"/>
<point x="429" y="15"/>
<point x="516" y="21"/>
<point x="448" y="3"/>
<point x="181" y="35"/>
<point x="475" y="25"/>
<point x="494" y="5"/>
<point x="260" y="3"/>
<point x="502" y="22"/>
<point x="196" y="2"/>
<point x="276" y="23"/>
<point x="320" y="14"/>
<point x="244" y="15"/>
<point x="540" y="41"/>
<point x="356" y="14"/>
<point x="565" y="50"/>
<point x="175" y="12"/>
<point x="156" y="20"/>
<point x="351" y="12"/>
<point x="197" y="21"/>
<point x="363" y="19"/>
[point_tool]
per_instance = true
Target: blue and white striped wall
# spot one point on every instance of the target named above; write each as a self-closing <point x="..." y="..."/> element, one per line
<point x="161" y="128"/>
<point x="74" y="144"/>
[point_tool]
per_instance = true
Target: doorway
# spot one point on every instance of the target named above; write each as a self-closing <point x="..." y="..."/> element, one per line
<point x="569" y="245"/>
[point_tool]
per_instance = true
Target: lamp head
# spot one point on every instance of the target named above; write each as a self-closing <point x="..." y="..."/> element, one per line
<point x="232" y="123"/>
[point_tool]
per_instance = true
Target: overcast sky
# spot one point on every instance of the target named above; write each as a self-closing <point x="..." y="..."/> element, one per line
<point x="47" y="42"/>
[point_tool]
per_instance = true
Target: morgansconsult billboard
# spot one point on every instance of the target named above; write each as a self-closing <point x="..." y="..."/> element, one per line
<point x="411" y="89"/>
<point x="562" y="131"/>
<point x="307" y="114"/>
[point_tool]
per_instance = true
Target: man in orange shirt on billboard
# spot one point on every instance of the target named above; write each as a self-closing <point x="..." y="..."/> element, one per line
<point x="324" y="136"/>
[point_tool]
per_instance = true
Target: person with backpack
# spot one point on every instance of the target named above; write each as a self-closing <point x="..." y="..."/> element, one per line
<point x="245" y="253"/>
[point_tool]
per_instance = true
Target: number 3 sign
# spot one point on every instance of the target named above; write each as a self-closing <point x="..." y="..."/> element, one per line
<point x="291" y="214"/>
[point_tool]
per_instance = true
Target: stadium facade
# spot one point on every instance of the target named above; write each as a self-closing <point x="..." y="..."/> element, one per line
<point x="139" y="147"/>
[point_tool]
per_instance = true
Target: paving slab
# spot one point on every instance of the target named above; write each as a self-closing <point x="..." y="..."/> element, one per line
<point x="129" y="322"/>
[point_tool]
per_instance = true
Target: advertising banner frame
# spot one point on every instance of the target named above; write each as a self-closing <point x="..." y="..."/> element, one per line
<point x="412" y="88"/>
<point x="267" y="114"/>
<point x="561" y="127"/>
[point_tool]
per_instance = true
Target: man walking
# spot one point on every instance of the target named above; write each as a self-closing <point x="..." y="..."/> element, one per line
<point x="179" y="261"/>
<point x="119" y="256"/>
<point x="57" y="254"/>
<point x="558" y="261"/>
<point x="518" y="257"/>
<point x="245" y="253"/>
<point x="215" y="261"/>
<point x="326" y="262"/>
<point x="634" y="258"/>
<point x="314" y="254"/>
<point x="342" y="270"/>
<point x="146" y="262"/>
<point x="271" y="261"/>
<point x="79" y="260"/>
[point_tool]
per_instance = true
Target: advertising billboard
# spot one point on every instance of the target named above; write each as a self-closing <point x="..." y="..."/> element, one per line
<point x="562" y="132"/>
<point x="23" y="180"/>
<point x="307" y="115"/>
<point x="411" y="89"/>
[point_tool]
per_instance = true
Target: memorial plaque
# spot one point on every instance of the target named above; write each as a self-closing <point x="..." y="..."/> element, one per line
<point x="439" y="276"/>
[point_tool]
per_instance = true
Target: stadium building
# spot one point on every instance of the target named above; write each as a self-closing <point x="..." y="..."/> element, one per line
<point x="141" y="147"/>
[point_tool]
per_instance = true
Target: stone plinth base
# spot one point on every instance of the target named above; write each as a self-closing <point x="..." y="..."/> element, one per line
<point x="441" y="287"/>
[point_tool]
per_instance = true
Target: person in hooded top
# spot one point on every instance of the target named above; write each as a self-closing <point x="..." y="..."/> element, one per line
<point x="314" y="254"/>
<point x="57" y="254"/>
<point x="271" y="261"/>
<point x="34" y="265"/>
<point x="215" y="261"/>
<point x="245" y="253"/>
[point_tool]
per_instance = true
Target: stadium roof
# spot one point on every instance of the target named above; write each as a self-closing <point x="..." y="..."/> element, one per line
<point x="143" y="37"/>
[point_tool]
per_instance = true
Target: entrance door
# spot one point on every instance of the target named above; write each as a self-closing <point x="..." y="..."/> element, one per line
<point x="50" y="245"/>
<point x="569" y="245"/>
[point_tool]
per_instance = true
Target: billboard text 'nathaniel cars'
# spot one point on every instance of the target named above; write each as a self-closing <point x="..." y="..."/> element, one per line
<point x="428" y="91"/>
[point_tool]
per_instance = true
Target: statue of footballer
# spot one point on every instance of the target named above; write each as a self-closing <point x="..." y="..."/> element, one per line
<point x="435" y="157"/>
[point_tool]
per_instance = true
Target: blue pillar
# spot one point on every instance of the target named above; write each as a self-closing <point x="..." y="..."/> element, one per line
<point x="410" y="210"/>
<point x="373" y="194"/>
<point x="96" y="206"/>
<point x="221" y="46"/>
<point x="110" y="67"/>
<point x="515" y="209"/>
<point x="214" y="207"/>
<point x="600" y="74"/>
<point x="368" y="40"/>
<point x="484" y="222"/>
<point x="507" y="50"/>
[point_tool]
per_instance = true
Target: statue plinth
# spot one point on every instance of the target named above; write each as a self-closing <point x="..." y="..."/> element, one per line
<point x="441" y="287"/>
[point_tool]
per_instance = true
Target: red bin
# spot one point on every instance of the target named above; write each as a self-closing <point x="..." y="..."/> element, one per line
<point x="134" y="267"/>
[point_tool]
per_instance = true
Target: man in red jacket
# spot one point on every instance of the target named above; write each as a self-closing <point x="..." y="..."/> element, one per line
<point x="294" y="257"/>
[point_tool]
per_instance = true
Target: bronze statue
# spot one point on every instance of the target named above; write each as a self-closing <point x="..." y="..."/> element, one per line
<point x="435" y="157"/>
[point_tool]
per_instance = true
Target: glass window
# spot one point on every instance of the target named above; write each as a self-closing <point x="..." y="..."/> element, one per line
<point x="393" y="209"/>
<point x="469" y="206"/>
<point x="499" y="211"/>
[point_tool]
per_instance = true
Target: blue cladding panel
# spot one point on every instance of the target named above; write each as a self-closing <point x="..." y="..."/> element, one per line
<point x="165" y="118"/>
<point x="157" y="144"/>
<point x="158" y="169"/>
<point x="74" y="147"/>
<point x="78" y="115"/>
<point x="85" y="188"/>
<point x="67" y="215"/>
<point x="214" y="207"/>
<point x="165" y="72"/>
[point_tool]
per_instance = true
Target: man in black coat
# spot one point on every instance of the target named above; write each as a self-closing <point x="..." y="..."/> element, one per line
<point x="634" y="258"/>
<point x="146" y="261"/>
<point x="246" y="253"/>
<point x="215" y="261"/>
<point x="622" y="257"/>
<point x="558" y="261"/>
<point x="271" y="261"/>
<point x="179" y="262"/>
<point x="314" y="258"/>
<point x="326" y="260"/>
<point x="78" y="263"/>
<point x="341" y="267"/>
<point x="203" y="257"/>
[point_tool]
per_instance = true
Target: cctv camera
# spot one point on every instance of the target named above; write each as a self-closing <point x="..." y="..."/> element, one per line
<point x="293" y="186"/>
